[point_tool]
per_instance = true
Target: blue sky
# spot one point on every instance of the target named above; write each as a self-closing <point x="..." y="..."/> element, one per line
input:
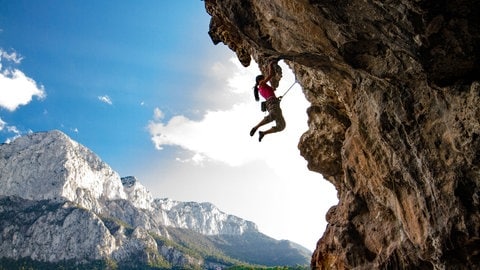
<point x="142" y="85"/>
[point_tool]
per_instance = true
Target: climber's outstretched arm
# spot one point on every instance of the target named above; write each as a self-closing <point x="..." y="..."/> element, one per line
<point x="269" y="75"/>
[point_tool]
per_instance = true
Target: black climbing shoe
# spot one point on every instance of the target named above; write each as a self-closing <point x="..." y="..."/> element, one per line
<point x="260" y="136"/>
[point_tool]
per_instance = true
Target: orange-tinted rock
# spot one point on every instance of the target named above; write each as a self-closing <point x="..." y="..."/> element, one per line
<point x="394" y="121"/>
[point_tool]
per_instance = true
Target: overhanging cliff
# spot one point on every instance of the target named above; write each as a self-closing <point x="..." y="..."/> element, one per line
<point x="394" y="121"/>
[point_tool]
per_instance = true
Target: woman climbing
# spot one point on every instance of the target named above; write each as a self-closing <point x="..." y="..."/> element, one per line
<point x="272" y="104"/>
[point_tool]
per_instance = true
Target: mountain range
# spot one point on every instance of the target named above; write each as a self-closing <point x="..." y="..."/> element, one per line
<point x="62" y="206"/>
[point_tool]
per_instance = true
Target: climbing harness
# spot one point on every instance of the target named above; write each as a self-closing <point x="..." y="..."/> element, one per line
<point x="263" y="104"/>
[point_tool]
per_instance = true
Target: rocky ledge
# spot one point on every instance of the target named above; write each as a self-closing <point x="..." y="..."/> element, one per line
<point x="394" y="121"/>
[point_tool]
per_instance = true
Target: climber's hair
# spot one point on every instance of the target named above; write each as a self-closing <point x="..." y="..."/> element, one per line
<point x="258" y="79"/>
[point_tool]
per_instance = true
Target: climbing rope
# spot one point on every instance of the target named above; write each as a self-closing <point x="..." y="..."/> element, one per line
<point x="280" y="97"/>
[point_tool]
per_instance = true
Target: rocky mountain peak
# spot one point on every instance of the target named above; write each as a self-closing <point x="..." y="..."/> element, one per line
<point x="129" y="181"/>
<point x="51" y="166"/>
<point x="137" y="193"/>
<point x="60" y="202"/>
<point x="202" y="217"/>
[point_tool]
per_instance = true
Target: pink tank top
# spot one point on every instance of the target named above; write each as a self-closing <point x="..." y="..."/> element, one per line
<point x="266" y="91"/>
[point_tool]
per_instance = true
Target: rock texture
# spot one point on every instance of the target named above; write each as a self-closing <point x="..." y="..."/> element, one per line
<point x="50" y="166"/>
<point x="394" y="121"/>
<point x="203" y="218"/>
<point x="60" y="203"/>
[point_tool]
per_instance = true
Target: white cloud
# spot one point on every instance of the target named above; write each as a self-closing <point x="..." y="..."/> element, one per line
<point x="105" y="99"/>
<point x="5" y="127"/>
<point x="13" y="56"/>
<point x="13" y="129"/>
<point x="196" y="159"/>
<point x="16" y="88"/>
<point x="267" y="182"/>
<point x="220" y="91"/>
<point x="223" y="135"/>
<point x="158" y="114"/>
<point x="220" y="135"/>
<point x="2" y="124"/>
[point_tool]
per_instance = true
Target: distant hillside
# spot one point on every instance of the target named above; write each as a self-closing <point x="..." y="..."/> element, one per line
<point x="61" y="206"/>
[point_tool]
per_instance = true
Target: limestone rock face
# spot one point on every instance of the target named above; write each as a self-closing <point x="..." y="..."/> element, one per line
<point x="56" y="223"/>
<point x="48" y="231"/>
<point x="137" y="193"/>
<point x="204" y="218"/>
<point x="50" y="166"/>
<point x="60" y="204"/>
<point x="394" y="121"/>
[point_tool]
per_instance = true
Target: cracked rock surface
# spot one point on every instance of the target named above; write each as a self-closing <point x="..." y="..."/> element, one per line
<point x="394" y="121"/>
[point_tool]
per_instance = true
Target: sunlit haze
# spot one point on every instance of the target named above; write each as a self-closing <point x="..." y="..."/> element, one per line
<point x="142" y="85"/>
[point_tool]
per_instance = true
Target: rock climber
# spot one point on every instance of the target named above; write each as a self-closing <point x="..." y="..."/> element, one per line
<point x="272" y="105"/>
